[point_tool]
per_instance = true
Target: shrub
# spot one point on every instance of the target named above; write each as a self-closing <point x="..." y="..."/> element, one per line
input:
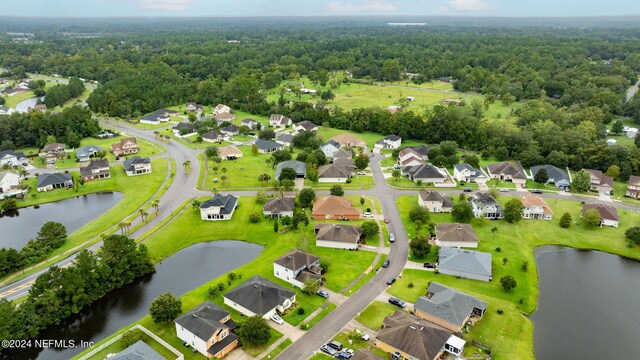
<point x="300" y="311"/>
<point x="565" y="221"/>
<point x="500" y="311"/>
<point x="498" y="249"/>
<point x="410" y="285"/>
<point x="131" y="337"/>
<point x="254" y="217"/>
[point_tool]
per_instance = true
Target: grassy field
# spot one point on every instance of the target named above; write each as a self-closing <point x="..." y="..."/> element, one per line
<point x="188" y="229"/>
<point x="321" y="356"/>
<point x="358" y="344"/>
<point x="280" y="348"/>
<point x="375" y="313"/>
<point x="321" y="315"/>
<point x="516" y="243"/>
<point x="242" y="173"/>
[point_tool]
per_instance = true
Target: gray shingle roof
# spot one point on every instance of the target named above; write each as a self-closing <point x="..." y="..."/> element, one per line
<point x="484" y="199"/>
<point x="474" y="262"/>
<point x="213" y="135"/>
<point x="136" y="160"/>
<point x="554" y="173"/>
<point x="86" y="151"/>
<point x="448" y="304"/>
<point x="94" y="165"/>
<point x="307" y="125"/>
<point x="475" y="172"/>
<point x="259" y="295"/>
<point x="424" y="171"/>
<point x="184" y="125"/>
<point x="204" y="320"/>
<point x="267" y="144"/>
<point x="286" y="138"/>
<point x="296" y="259"/>
<point x="421" y="149"/>
<point x="19" y="155"/>
<point x="298" y="166"/>
<point x="52" y="179"/>
<point x="456" y="233"/>
<point x="332" y="143"/>
<point x="230" y="128"/>
<point x="226" y="203"/>
<point x="333" y="171"/>
<point x="155" y="116"/>
<point x="343" y="154"/>
<point x="435" y="196"/>
<point x="138" y="351"/>
<point x="276" y="206"/>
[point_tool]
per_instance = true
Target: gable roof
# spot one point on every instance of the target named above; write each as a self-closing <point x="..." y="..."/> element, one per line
<point x="424" y="171"/>
<point x="52" y="179"/>
<point x="278" y="205"/>
<point x="287" y="138"/>
<point x="338" y="232"/>
<point x="184" y="125"/>
<point x="267" y="144"/>
<point x="634" y="180"/>
<point x="334" y="205"/>
<point x="348" y="139"/>
<point x="448" y="304"/>
<point x="456" y="233"/>
<point x="530" y="200"/>
<point x="6" y="173"/>
<point x="204" y="320"/>
<point x="226" y="203"/>
<point x="228" y="150"/>
<point x="364" y="354"/>
<point x="85" y="151"/>
<point x="230" y="128"/>
<point x="414" y="336"/>
<point x="409" y="150"/>
<point x="469" y="261"/>
<point x="138" y="351"/>
<point x="18" y="155"/>
<point x="333" y="171"/>
<point x="248" y="122"/>
<point x="420" y="149"/>
<point x="307" y="125"/>
<point x="155" y="116"/>
<point x="597" y="174"/>
<point x="331" y="142"/>
<point x="606" y="212"/>
<point x="129" y="164"/>
<point x="213" y="135"/>
<point x="296" y="259"/>
<point x="435" y="196"/>
<point x="94" y="165"/>
<point x="259" y="295"/>
<point x="298" y="166"/>
<point x="484" y="199"/>
<point x="342" y="154"/>
<point x="54" y="147"/>
<point x="554" y="173"/>
<point x="509" y="168"/>
<point x="475" y="173"/>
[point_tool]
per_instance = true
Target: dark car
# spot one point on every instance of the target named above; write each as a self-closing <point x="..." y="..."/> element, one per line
<point x="323" y="293"/>
<point x="343" y="356"/>
<point x="329" y="350"/>
<point x="467" y="190"/>
<point x="536" y="191"/>
<point x="386" y="220"/>
<point x="397" y="302"/>
<point x="335" y="344"/>
<point x="429" y="265"/>
<point x="385" y="263"/>
<point x="391" y="281"/>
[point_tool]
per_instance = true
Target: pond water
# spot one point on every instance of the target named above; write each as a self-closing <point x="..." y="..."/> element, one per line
<point x="178" y="274"/>
<point x="24" y="105"/>
<point x="17" y="229"/>
<point x="587" y="306"/>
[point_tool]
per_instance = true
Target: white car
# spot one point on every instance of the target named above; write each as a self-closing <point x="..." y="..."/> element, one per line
<point x="504" y="190"/>
<point x="363" y="335"/>
<point x="392" y="238"/>
<point x="367" y="215"/>
<point x="361" y="173"/>
<point x="277" y="319"/>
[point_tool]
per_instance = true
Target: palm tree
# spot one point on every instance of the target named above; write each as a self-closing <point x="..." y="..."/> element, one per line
<point x="156" y="204"/>
<point x="145" y="216"/>
<point x="224" y="170"/>
<point x="156" y="133"/>
<point x="141" y="211"/>
<point x="214" y="190"/>
<point x="223" y="178"/>
<point x="122" y="225"/>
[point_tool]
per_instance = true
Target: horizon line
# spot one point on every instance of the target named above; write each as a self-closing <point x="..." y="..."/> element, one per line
<point x="321" y="16"/>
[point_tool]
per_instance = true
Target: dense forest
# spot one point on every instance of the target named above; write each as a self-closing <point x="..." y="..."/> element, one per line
<point x="571" y="80"/>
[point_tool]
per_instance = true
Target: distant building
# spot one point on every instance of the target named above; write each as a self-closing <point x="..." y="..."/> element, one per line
<point x="155" y="118"/>
<point x="268" y="146"/>
<point x="305" y="126"/>
<point x="599" y="181"/>
<point x="279" y="121"/>
<point x="84" y="153"/>
<point x="329" y="148"/>
<point x="633" y="188"/>
<point x="348" y="140"/>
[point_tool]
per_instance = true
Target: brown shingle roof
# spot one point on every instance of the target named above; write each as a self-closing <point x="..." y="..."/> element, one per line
<point x="296" y="259"/>
<point x="634" y="180"/>
<point x="345" y="139"/>
<point x="435" y="196"/>
<point x="512" y="169"/>
<point x="276" y="206"/>
<point x="414" y="336"/>
<point x="606" y="212"/>
<point x="530" y="200"/>
<point x="334" y="205"/>
<point x="229" y="150"/>
<point x="338" y="232"/>
<point x="456" y="233"/>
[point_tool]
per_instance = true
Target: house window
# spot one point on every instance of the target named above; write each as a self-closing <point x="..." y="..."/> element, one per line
<point x="223" y="335"/>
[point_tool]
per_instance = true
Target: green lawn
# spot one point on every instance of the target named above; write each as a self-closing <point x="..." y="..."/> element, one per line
<point x="12" y="101"/>
<point x="357" y="182"/>
<point x="375" y="313"/>
<point x="516" y="243"/>
<point x="321" y="356"/>
<point x="280" y="348"/>
<point x="242" y="173"/>
<point x="117" y="347"/>
<point x="321" y="315"/>
<point x="358" y="344"/>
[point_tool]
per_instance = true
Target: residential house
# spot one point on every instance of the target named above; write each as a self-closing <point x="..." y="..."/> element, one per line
<point x="268" y="146"/>
<point x="393" y="108"/>
<point x="137" y="166"/>
<point x="299" y="167"/>
<point x="410" y="157"/>
<point x="279" y="121"/>
<point x="138" y="351"/>
<point x="284" y="139"/>
<point x="456" y="235"/>
<point x="279" y="207"/>
<point x="364" y="354"/>
<point x="12" y="158"/>
<point x="208" y="329"/>
<point x="250" y="123"/>
<point x="329" y="148"/>
<point x="229" y="152"/>
<point x="633" y="189"/>
<point x="335" y="208"/>
<point x="334" y="173"/>
<point x="84" y="153"/>
<point x="446" y="79"/>
<point x="422" y="150"/>
<point x="608" y="214"/>
<point x="97" y="169"/>
<point x="599" y="181"/>
<point x="556" y="176"/>
<point x="338" y="236"/>
<point x="155" y="118"/>
<point x="193" y="107"/>
<point x="213" y="136"/>
<point x="298" y="268"/>
<point x="126" y="146"/>
<point x="535" y="208"/>
<point x="347" y="140"/>
<point x="632" y="133"/>
<point x="219" y="207"/>
<point x="225" y="116"/>
<point x="305" y="126"/>
<point x="485" y="205"/>
<point x="230" y="130"/>
<point x="457" y="102"/>
<point x="389" y="142"/>
<point x="6" y="110"/>
<point x="411" y="337"/>
<point x="48" y="182"/>
<point x="220" y="109"/>
<point x="54" y="151"/>
<point x="448" y="307"/>
<point x="611" y="142"/>
<point x="434" y="201"/>
<point x="467" y="173"/>
<point x="38" y="107"/>
<point x="426" y="173"/>
<point x="347" y="163"/>
<point x="342" y="154"/>
<point x="465" y="263"/>
<point x="508" y="171"/>
<point x="8" y="181"/>
<point x="259" y="296"/>
<point x="184" y="129"/>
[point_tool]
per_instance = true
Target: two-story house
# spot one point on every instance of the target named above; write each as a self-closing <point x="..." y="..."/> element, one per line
<point x="329" y="148"/>
<point x="259" y="296"/>
<point x="608" y="214"/>
<point x="220" y="108"/>
<point x="599" y="181"/>
<point x="485" y="205"/>
<point x="467" y="173"/>
<point x="389" y="142"/>
<point x="8" y="181"/>
<point x="279" y="121"/>
<point x="633" y="189"/>
<point x="54" y="151"/>
<point x="298" y="268"/>
<point x="410" y="157"/>
<point x="434" y="201"/>
<point x="219" y="207"/>
<point x="12" y="158"/>
<point x="126" y="146"/>
<point x="137" y="166"/>
<point x="535" y="208"/>
<point x="97" y="169"/>
<point x="209" y="329"/>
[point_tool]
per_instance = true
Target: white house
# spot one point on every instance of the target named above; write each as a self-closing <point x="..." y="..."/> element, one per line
<point x="338" y="236"/>
<point x="155" y="118"/>
<point x="219" y="207"/>
<point x="485" y="205"/>
<point x="608" y="214"/>
<point x="137" y="166"/>
<point x="8" y="181"/>
<point x="467" y="173"/>
<point x="279" y="121"/>
<point x="6" y="110"/>
<point x="334" y="173"/>
<point x="389" y="142"/>
<point x="298" y="268"/>
<point x="535" y="208"/>
<point x="305" y="126"/>
<point x="259" y="296"/>
<point x="632" y="133"/>
<point x="329" y="148"/>
<point x="208" y="328"/>
<point x="221" y="108"/>
<point x="8" y="157"/>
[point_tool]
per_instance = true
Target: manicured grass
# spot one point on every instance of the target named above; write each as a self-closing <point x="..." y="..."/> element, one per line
<point x="357" y="182"/>
<point x="369" y="138"/>
<point x="154" y="126"/>
<point x="307" y="302"/>
<point x="321" y="356"/>
<point x="242" y="173"/>
<point x="358" y="344"/>
<point x="117" y="347"/>
<point x="375" y="313"/>
<point x="280" y="348"/>
<point x="365" y="279"/>
<point x="494" y="183"/>
<point x="12" y="101"/>
<point x="516" y="243"/>
<point x="435" y="85"/>
<point x="321" y="315"/>
<point x="257" y="350"/>
<point x="242" y="138"/>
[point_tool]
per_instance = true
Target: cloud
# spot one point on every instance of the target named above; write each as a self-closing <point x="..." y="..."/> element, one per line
<point x="368" y="6"/>
<point x="167" y="5"/>
<point x="470" y="5"/>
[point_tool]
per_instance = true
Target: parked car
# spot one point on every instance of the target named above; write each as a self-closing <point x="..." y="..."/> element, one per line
<point x="329" y="350"/>
<point x="396" y="356"/>
<point x="386" y="220"/>
<point x="350" y="351"/>
<point x="504" y="190"/>
<point x="343" y="356"/>
<point x="367" y="215"/>
<point x="389" y="167"/>
<point x="536" y="191"/>
<point x="391" y="281"/>
<point x="323" y="293"/>
<point x="429" y="265"/>
<point x="396" y="166"/>
<point x="467" y="190"/>
<point x="385" y="263"/>
<point x="277" y="319"/>
<point x="361" y="173"/>
<point x="397" y="302"/>
<point x="335" y="344"/>
<point x="363" y="335"/>
<point x="392" y="238"/>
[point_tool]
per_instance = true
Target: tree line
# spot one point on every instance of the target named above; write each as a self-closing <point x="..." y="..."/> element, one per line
<point x="59" y="94"/>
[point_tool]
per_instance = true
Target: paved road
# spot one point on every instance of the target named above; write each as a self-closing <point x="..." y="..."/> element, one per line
<point x="632" y="91"/>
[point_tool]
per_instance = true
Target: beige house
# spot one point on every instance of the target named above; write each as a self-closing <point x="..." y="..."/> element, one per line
<point x="448" y="307"/>
<point x="338" y="236"/>
<point x="434" y="201"/>
<point x="535" y="208"/>
<point x="208" y="328"/>
<point x="126" y="146"/>
<point x="508" y="171"/>
<point x="633" y="189"/>
<point x="8" y="181"/>
<point x="456" y="235"/>
<point x="348" y="140"/>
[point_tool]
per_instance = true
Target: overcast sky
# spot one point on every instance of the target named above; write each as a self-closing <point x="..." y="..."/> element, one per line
<point x="227" y="8"/>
